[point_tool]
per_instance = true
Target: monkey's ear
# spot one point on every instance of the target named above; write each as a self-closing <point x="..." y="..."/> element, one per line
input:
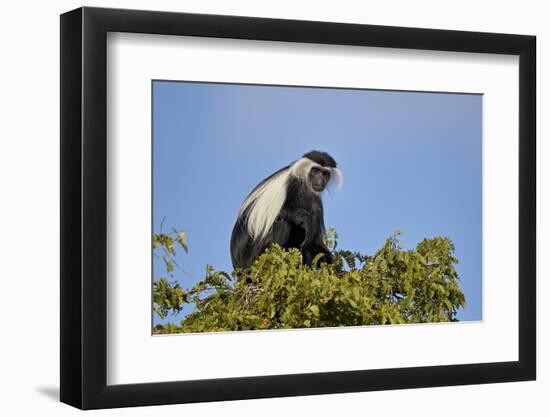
<point x="336" y="179"/>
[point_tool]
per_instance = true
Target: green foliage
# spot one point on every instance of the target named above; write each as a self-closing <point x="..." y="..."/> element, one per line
<point x="279" y="292"/>
<point x="168" y="296"/>
<point x="164" y="247"/>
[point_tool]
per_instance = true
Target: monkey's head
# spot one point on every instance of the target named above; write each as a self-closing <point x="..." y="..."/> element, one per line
<point x="314" y="172"/>
<point x="317" y="170"/>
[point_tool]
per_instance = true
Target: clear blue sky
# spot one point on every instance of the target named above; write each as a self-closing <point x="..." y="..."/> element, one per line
<point x="411" y="162"/>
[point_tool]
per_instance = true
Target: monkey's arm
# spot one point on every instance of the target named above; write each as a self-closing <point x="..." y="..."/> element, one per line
<point x="304" y="219"/>
<point x="313" y="241"/>
<point x="280" y="231"/>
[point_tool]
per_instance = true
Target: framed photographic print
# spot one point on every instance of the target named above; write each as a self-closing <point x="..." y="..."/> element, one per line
<point x="294" y="207"/>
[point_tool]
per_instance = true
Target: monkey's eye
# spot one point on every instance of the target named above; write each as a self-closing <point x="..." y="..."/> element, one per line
<point x="326" y="174"/>
<point x="315" y="170"/>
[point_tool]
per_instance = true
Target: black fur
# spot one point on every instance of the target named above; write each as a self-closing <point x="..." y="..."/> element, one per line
<point x="300" y="223"/>
<point x="322" y="158"/>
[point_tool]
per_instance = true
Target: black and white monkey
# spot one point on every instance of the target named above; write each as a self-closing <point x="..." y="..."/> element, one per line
<point x="286" y="209"/>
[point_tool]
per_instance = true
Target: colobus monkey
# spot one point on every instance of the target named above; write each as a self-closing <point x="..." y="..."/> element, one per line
<point x="286" y="209"/>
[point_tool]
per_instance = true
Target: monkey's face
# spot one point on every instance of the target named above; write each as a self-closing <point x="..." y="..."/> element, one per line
<point x="318" y="178"/>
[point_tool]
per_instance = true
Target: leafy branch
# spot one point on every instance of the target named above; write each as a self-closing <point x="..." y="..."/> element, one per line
<point x="169" y="296"/>
<point x="278" y="291"/>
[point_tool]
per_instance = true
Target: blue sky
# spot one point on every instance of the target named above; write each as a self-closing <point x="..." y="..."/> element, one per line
<point x="411" y="162"/>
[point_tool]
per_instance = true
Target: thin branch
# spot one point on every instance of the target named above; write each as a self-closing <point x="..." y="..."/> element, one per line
<point x="162" y="223"/>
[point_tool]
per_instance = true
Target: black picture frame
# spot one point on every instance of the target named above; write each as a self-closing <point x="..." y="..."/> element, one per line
<point x="84" y="207"/>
